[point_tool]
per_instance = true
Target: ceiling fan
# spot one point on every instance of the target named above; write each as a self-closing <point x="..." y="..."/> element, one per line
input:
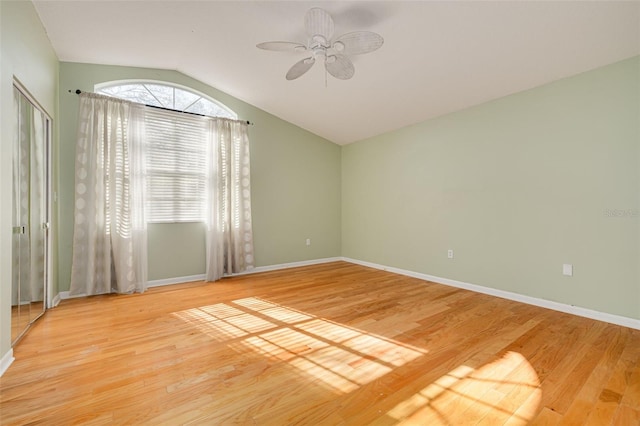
<point x="334" y="52"/>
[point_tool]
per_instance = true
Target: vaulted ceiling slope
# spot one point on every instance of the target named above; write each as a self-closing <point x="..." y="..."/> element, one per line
<point x="438" y="57"/>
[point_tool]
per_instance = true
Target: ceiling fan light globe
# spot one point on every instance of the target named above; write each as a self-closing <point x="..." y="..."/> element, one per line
<point x="338" y="46"/>
<point x="319" y="40"/>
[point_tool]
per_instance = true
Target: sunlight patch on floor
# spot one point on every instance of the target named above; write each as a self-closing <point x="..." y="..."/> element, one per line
<point x="223" y="322"/>
<point x="335" y="356"/>
<point x="504" y="390"/>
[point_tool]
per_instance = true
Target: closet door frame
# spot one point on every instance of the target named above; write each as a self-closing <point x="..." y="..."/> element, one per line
<point x="48" y="199"/>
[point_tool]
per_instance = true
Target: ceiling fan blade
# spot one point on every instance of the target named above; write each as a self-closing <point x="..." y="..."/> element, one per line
<point x="282" y="46"/>
<point x="318" y="22"/>
<point x="340" y="66"/>
<point x="300" y="68"/>
<point x="358" y="43"/>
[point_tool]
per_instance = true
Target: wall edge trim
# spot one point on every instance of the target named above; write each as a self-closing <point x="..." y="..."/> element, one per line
<point x="175" y="280"/>
<point x="6" y="361"/>
<point x="63" y="295"/>
<point x="56" y="300"/>
<point x="279" y="266"/>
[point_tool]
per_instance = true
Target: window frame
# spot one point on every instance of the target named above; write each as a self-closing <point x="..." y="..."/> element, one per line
<point x="160" y="109"/>
<point x="107" y="84"/>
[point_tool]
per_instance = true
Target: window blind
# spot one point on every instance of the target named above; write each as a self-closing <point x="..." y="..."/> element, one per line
<point x="176" y="166"/>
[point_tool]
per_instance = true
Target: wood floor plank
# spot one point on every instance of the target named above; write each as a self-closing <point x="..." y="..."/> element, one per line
<point x="329" y="344"/>
<point x="626" y="415"/>
<point x="547" y="417"/>
<point x="595" y="404"/>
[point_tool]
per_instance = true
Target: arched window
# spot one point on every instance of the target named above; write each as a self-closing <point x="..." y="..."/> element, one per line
<point x="165" y="95"/>
<point x="176" y="145"/>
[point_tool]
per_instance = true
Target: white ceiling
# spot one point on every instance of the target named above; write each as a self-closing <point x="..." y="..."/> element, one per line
<point x="438" y="57"/>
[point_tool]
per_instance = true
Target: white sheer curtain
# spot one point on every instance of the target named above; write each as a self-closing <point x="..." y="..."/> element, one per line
<point x="229" y="229"/>
<point x="110" y="233"/>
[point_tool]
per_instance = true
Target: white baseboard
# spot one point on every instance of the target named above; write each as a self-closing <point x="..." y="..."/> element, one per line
<point x="56" y="300"/>
<point x="256" y="270"/>
<point x="277" y="267"/>
<point x="64" y="295"/>
<point x="154" y="283"/>
<point x="556" y="306"/>
<point x="176" y="280"/>
<point x="6" y="361"/>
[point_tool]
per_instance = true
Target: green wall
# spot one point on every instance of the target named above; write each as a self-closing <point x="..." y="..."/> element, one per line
<point x="295" y="178"/>
<point x="25" y="54"/>
<point x="516" y="187"/>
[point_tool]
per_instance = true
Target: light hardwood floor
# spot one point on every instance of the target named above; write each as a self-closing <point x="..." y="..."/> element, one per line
<point x="321" y="345"/>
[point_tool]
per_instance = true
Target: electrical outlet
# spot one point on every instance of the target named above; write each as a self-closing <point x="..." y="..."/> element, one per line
<point x="449" y="254"/>
<point x="308" y="242"/>
<point x="567" y="269"/>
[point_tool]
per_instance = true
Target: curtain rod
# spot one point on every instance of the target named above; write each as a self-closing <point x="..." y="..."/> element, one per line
<point x="78" y="91"/>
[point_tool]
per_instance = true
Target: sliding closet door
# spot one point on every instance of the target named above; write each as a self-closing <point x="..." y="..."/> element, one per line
<point x="30" y="213"/>
<point x="38" y="211"/>
<point x="21" y="305"/>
